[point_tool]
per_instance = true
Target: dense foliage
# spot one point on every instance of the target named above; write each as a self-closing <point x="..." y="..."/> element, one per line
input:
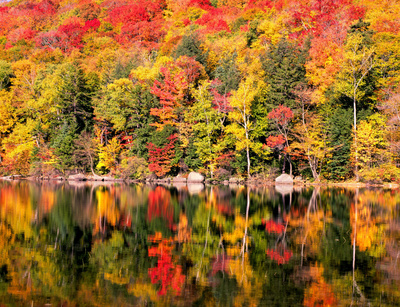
<point x="248" y="88"/>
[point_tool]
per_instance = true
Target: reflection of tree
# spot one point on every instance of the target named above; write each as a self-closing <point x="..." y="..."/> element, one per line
<point x="166" y="272"/>
<point x="319" y="293"/>
<point x="159" y="206"/>
<point x="312" y="225"/>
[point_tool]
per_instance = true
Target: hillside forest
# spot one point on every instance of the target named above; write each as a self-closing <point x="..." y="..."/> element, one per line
<point x="223" y="87"/>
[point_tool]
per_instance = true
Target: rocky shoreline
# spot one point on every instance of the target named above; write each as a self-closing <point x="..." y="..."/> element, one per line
<point x="197" y="178"/>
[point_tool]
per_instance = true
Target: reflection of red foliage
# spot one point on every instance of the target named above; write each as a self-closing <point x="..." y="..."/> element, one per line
<point x="273" y="227"/>
<point x="159" y="206"/>
<point x="278" y="256"/>
<point x="220" y="264"/>
<point x="166" y="271"/>
<point x="125" y="221"/>
<point x="224" y="208"/>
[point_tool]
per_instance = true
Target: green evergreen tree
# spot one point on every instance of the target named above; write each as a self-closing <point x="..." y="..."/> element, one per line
<point x="284" y="71"/>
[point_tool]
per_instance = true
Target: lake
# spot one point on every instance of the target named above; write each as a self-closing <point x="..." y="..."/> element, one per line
<point x="82" y="244"/>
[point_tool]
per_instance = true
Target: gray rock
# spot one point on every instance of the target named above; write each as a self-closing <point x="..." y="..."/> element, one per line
<point x="95" y="178"/>
<point x="108" y="178"/>
<point x="284" y="179"/>
<point x="77" y="177"/>
<point x="234" y="180"/>
<point x="195" y="177"/>
<point x="151" y="178"/>
<point x="179" y="178"/>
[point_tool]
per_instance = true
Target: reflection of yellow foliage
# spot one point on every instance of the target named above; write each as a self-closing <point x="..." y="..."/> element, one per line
<point x="312" y="226"/>
<point x="116" y="279"/>
<point x="184" y="232"/>
<point x="368" y="233"/>
<point x="106" y="208"/>
<point x="144" y="291"/>
<point x="16" y="207"/>
<point x="239" y="228"/>
<point x="249" y="283"/>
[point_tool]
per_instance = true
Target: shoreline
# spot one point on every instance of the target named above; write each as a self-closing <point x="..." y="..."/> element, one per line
<point x="255" y="183"/>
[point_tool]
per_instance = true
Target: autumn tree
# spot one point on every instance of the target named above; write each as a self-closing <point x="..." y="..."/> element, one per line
<point x="358" y="62"/>
<point x="161" y="159"/>
<point x="171" y="92"/>
<point x="86" y="150"/>
<point x="5" y="74"/>
<point x="282" y="116"/>
<point x="372" y="145"/>
<point x="241" y="117"/>
<point x="205" y="120"/>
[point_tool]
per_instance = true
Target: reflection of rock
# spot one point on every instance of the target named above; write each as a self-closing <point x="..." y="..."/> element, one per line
<point x="179" y="185"/>
<point x="284" y="189"/>
<point x="284" y="179"/>
<point x="195" y="188"/>
<point x="233" y="186"/>
<point x="77" y="183"/>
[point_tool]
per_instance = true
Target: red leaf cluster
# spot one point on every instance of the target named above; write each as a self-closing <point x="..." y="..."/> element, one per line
<point x="140" y="21"/>
<point x="276" y="141"/>
<point x="279" y="257"/>
<point x="273" y="227"/>
<point x="282" y="115"/>
<point x="213" y="21"/>
<point x="160" y="157"/>
<point x="68" y="36"/>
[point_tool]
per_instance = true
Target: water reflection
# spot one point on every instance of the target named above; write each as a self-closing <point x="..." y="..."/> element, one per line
<point x="115" y="244"/>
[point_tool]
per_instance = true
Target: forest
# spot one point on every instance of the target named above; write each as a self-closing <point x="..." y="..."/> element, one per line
<point x="248" y="88"/>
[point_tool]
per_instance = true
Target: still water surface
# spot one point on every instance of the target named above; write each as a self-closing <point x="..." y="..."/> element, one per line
<point x="138" y="245"/>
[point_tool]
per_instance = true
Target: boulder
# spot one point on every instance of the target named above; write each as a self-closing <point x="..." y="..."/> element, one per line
<point x="234" y="180"/>
<point x="95" y="178"/>
<point x="151" y="178"/>
<point x="108" y="178"/>
<point x="195" y="177"/>
<point x="284" y="179"/>
<point x="179" y="178"/>
<point x="77" y="177"/>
